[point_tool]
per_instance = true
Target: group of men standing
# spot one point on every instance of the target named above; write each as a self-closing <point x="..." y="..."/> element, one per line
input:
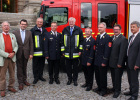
<point x="97" y="55"/>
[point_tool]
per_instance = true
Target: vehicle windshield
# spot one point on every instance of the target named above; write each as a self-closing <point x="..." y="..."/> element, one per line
<point x="59" y="15"/>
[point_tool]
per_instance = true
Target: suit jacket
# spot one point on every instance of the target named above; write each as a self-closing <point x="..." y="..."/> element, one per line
<point x="88" y="51"/>
<point x="118" y="52"/>
<point x="52" y="46"/>
<point x="4" y="54"/>
<point x="27" y="47"/>
<point x="134" y="53"/>
<point x="103" y="49"/>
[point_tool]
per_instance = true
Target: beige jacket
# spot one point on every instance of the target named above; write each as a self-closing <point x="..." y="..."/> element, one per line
<point x="4" y="54"/>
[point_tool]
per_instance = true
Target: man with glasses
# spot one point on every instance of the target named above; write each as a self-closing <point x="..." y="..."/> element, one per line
<point x="117" y="59"/>
<point x="25" y="52"/>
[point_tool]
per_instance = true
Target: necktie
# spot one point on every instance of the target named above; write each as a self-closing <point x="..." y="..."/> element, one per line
<point x="40" y="29"/>
<point x="131" y="41"/>
<point x="71" y="29"/>
<point x="114" y="38"/>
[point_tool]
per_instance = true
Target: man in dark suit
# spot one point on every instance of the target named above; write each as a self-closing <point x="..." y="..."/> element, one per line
<point x="38" y="35"/>
<point x="87" y="59"/>
<point x="25" y="52"/>
<point x="117" y="59"/>
<point x="72" y="38"/>
<point x="133" y="61"/>
<point x="102" y="53"/>
<point x="52" y="47"/>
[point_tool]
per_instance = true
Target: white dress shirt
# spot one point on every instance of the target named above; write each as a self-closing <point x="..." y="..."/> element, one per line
<point x="22" y="33"/>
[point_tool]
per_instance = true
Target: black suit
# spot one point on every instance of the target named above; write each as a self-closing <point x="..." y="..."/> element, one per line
<point x="102" y="53"/>
<point x="88" y="57"/>
<point x="52" y="47"/>
<point x="117" y="57"/>
<point x="133" y="53"/>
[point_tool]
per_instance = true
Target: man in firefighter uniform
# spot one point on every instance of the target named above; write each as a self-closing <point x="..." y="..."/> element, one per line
<point x="72" y="38"/>
<point x="38" y="34"/>
<point x="102" y="53"/>
<point x="52" y="47"/>
<point x="87" y="59"/>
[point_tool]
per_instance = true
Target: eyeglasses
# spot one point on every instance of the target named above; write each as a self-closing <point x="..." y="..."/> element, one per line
<point x="116" y="29"/>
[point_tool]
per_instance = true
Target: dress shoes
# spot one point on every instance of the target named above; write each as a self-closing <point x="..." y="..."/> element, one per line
<point x="88" y="88"/>
<point x="75" y="83"/>
<point x="26" y="83"/>
<point x="102" y="93"/>
<point x="2" y="93"/>
<point x="96" y="90"/>
<point x="12" y="90"/>
<point x="21" y="87"/>
<point x="116" y="94"/>
<point x="133" y="98"/>
<point x="127" y="93"/>
<point x="84" y="85"/>
<point x="57" y="81"/>
<point x="51" y="81"/>
<point x="42" y="79"/>
<point x="69" y="82"/>
<point x="35" y="81"/>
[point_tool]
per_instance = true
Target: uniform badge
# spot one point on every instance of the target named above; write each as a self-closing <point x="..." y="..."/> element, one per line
<point x="103" y="36"/>
<point x="109" y="44"/>
<point x="44" y="39"/>
<point x="51" y="33"/>
<point x="86" y="48"/>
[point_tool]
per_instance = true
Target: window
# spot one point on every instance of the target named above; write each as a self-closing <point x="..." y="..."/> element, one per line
<point x="86" y="15"/>
<point x="107" y="13"/>
<point x="59" y="15"/>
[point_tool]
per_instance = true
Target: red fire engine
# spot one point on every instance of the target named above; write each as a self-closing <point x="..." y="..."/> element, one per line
<point x="89" y="13"/>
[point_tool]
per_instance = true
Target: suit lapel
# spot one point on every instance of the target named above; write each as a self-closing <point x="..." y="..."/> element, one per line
<point x="2" y="40"/>
<point x="19" y="36"/>
<point x="134" y="39"/>
<point x="117" y="39"/>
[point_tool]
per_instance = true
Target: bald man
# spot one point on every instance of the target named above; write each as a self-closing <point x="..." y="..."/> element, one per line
<point x="38" y="34"/>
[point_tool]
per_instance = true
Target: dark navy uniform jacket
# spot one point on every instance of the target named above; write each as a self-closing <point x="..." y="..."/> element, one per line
<point x="103" y="49"/>
<point x="88" y="51"/>
<point x="52" y="46"/>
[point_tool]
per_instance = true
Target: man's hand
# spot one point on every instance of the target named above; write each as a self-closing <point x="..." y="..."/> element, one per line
<point x="136" y="67"/>
<point x="88" y="64"/>
<point x="79" y="53"/>
<point x="11" y="55"/>
<point x="47" y="57"/>
<point x="119" y="66"/>
<point x="103" y="65"/>
<point x="30" y="57"/>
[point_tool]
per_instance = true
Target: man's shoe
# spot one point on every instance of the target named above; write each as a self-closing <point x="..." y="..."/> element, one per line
<point x="84" y="85"/>
<point x="57" y="81"/>
<point x="127" y="93"/>
<point x="51" y="81"/>
<point x="75" y="83"/>
<point x="2" y="94"/>
<point x="102" y="93"/>
<point x="69" y="82"/>
<point x="88" y="88"/>
<point x="20" y="87"/>
<point x="42" y="79"/>
<point x="35" y="81"/>
<point x="116" y="94"/>
<point x="133" y="98"/>
<point x="96" y="90"/>
<point x="26" y="83"/>
<point x="12" y="90"/>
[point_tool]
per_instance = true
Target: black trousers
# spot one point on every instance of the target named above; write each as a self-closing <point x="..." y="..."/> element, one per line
<point x="72" y="69"/>
<point x="38" y="66"/>
<point x="54" y="67"/>
<point x="22" y="69"/>
<point x="116" y="75"/>
<point x="88" y="72"/>
<point x="101" y="77"/>
<point x="133" y="81"/>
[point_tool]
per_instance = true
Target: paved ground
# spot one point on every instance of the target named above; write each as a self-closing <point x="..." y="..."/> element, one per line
<point x="44" y="91"/>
